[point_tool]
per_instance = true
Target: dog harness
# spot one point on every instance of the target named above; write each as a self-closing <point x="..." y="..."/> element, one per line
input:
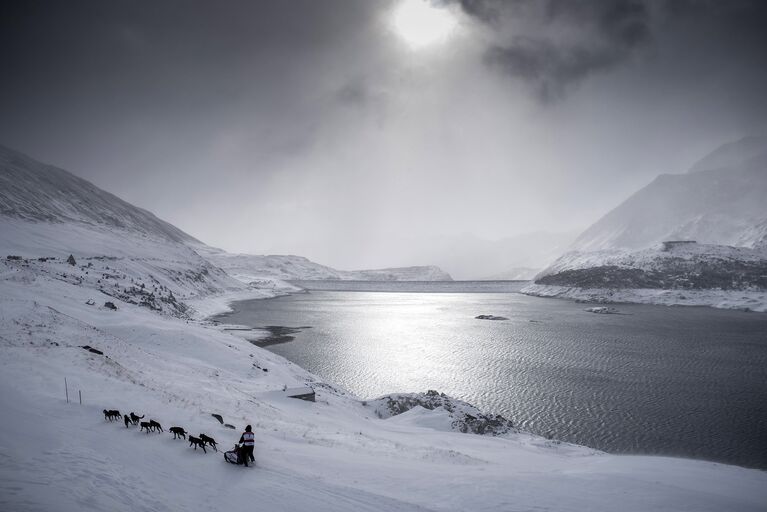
<point x="248" y="439"/>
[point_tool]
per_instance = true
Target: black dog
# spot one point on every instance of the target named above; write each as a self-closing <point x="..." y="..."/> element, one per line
<point x="135" y="419"/>
<point x="194" y="441"/>
<point x="145" y="425"/>
<point x="155" y="426"/>
<point x="209" y="440"/>
<point x="112" y="415"/>
<point x="177" y="432"/>
<point x="127" y="420"/>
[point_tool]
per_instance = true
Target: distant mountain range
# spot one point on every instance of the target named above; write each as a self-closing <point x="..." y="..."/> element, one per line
<point x="249" y="267"/>
<point x="469" y="257"/>
<point x="46" y="211"/>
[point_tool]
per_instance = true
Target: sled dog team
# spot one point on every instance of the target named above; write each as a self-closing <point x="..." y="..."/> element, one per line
<point x="243" y="454"/>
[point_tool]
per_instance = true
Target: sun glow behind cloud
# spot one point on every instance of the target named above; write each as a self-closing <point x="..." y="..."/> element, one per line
<point x="419" y="23"/>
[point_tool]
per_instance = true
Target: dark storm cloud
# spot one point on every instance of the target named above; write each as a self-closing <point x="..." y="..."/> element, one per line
<point x="602" y="34"/>
<point x="553" y="45"/>
<point x="312" y="127"/>
<point x="549" y="68"/>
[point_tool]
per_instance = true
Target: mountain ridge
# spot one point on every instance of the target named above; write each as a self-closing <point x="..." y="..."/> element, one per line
<point x="48" y="211"/>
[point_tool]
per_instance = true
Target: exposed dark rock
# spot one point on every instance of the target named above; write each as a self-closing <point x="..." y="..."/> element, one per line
<point x="466" y="417"/>
<point x="671" y="274"/>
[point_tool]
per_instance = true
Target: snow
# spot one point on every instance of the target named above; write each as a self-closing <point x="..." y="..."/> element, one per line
<point x="720" y="202"/>
<point x="659" y="260"/>
<point x="162" y="359"/>
<point x="723" y="299"/>
<point x="250" y="267"/>
<point x="653" y="258"/>
<point x="329" y="455"/>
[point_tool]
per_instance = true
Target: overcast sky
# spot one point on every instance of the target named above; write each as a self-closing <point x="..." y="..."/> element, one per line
<point x="338" y="131"/>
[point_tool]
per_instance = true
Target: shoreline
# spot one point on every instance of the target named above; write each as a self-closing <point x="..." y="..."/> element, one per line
<point x="747" y="301"/>
<point x="179" y="371"/>
<point x="267" y="341"/>
<point x="218" y="304"/>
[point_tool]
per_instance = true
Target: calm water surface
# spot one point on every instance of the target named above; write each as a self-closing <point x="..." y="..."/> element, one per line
<point x="676" y="381"/>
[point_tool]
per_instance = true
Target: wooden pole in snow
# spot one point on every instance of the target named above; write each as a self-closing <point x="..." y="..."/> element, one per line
<point x="66" y="389"/>
<point x="79" y="392"/>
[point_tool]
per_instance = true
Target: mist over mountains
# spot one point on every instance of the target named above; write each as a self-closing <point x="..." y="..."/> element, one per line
<point x="46" y="211"/>
<point x="721" y="200"/>
<point x="701" y="236"/>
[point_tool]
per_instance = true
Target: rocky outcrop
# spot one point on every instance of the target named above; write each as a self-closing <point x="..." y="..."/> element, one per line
<point x="466" y="418"/>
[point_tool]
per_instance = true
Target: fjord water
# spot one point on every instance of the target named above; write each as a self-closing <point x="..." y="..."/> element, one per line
<point x="677" y="381"/>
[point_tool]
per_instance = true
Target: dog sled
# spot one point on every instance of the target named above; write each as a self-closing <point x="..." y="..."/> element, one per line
<point x="233" y="456"/>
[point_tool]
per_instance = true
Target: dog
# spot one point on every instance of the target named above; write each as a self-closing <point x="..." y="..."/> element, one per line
<point x="127" y="420"/>
<point x="155" y="426"/>
<point x="145" y="425"/>
<point x="135" y="419"/>
<point x="112" y="415"/>
<point x="208" y="440"/>
<point x="177" y="432"/>
<point x="195" y="441"/>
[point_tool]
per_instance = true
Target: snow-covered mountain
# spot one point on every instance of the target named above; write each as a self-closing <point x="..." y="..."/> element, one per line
<point x="47" y="212"/>
<point x="249" y="267"/>
<point x="721" y="201"/>
<point x="33" y="191"/>
<point x="700" y="232"/>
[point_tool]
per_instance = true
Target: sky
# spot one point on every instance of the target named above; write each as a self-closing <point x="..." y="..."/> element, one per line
<point x="358" y="133"/>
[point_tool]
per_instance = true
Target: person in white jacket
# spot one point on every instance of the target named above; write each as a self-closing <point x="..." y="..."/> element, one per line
<point x="248" y="441"/>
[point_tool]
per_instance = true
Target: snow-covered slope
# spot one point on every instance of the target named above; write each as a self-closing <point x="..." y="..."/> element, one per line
<point x="700" y="237"/>
<point x="731" y="154"/>
<point x="722" y="203"/>
<point x="47" y="214"/>
<point x="332" y="455"/>
<point x="153" y="357"/>
<point x="249" y="267"/>
<point x="34" y="191"/>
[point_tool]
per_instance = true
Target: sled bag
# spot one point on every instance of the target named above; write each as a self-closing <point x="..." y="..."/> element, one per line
<point x="231" y="457"/>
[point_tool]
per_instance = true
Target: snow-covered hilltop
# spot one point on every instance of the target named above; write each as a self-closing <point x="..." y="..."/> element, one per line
<point x="151" y="355"/>
<point x="698" y="238"/>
